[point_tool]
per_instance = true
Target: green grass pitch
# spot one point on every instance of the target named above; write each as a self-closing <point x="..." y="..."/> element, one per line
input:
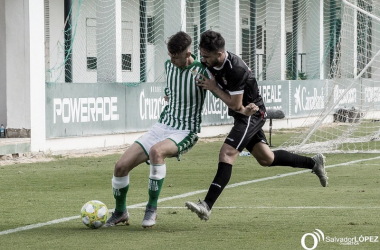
<point x="268" y="208"/>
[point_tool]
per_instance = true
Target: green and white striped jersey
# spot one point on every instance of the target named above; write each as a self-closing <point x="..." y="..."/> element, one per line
<point x="186" y="99"/>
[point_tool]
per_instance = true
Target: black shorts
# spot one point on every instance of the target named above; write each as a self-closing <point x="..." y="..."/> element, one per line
<point x="246" y="132"/>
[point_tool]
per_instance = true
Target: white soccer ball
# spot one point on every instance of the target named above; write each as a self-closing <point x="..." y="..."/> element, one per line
<point x="94" y="214"/>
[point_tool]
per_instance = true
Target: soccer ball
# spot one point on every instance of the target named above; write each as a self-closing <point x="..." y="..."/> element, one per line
<point x="94" y="214"/>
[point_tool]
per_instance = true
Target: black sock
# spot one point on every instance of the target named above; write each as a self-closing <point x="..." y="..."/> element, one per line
<point x="221" y="180"/>
<point x="285" y="158"/>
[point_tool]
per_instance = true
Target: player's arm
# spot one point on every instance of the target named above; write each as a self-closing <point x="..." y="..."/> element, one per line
<point x="234" y="102"/>
<point x="166" y="90"/>
<point x="166" y="96"/>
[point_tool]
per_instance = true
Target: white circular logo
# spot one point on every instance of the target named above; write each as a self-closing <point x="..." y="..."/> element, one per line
<point x="317" y="236"/>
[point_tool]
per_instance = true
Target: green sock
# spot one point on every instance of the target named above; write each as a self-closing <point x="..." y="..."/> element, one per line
<point x="121" y="198"/>
<point x="154" y="191"/>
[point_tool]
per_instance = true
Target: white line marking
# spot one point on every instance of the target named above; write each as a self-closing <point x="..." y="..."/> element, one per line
<point x="38" y="225"/>
<point x="263" y="207"/>
<point x="139" y="205"/>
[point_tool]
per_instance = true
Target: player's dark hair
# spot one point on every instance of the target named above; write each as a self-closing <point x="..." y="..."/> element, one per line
<point x="178" y="42"/>
<point x="212" y="41"/>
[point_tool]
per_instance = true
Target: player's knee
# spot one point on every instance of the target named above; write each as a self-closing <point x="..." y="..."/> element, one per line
<point x="155" y="153"/>
<point x="227" y="156"/>
<point x="120" y="168"/>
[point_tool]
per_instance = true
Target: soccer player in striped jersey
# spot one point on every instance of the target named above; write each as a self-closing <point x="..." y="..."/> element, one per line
<point x="174" y="134"/>
<point x="233" y="83"/>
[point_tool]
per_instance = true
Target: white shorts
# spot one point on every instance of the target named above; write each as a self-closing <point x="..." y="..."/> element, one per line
<point x="184" y="139"/>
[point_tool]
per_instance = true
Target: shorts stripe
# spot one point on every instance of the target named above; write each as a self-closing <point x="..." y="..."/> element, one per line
<point x="245" y="132"/>
<point x="147" y="154"/>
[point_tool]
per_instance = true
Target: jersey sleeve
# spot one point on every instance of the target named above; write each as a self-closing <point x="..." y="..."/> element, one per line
<point x="204" y="71"/>
<point x="208" y="75"/>
<point x="237" y="80"/>
<point x="166" y="65"/>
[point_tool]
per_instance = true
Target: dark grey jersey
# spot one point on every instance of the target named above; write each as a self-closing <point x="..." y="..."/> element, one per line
<point x="235" y="78"/>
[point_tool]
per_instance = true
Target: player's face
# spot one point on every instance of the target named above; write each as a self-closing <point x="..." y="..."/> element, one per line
<point x="210" y="58"/>
<point x="180" y="59"/>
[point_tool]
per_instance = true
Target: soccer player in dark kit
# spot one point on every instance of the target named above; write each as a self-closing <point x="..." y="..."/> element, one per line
<point x="234" y="84"/>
